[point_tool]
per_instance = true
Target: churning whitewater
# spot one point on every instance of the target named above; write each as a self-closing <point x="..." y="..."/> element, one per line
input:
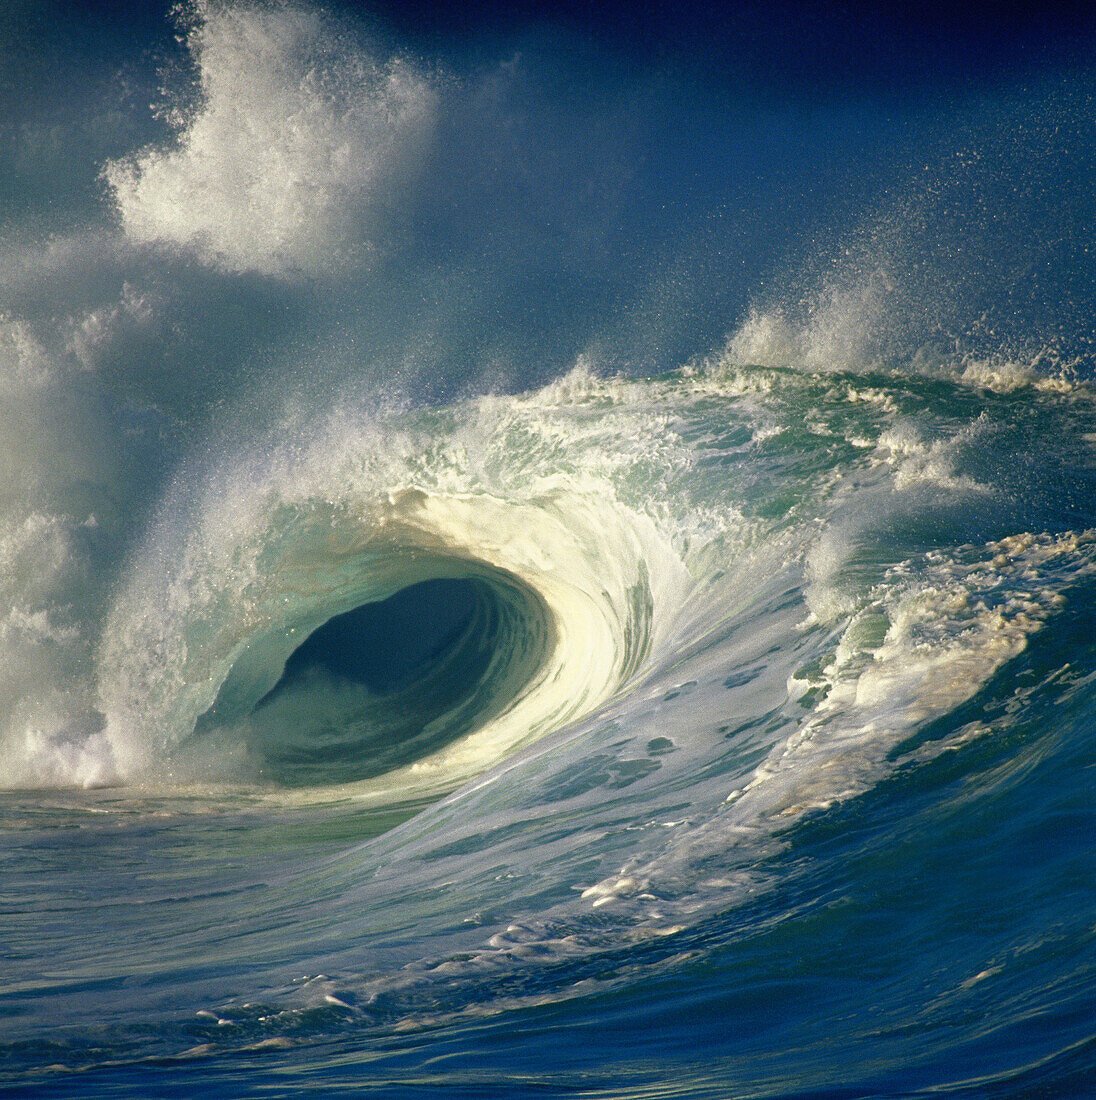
<point x="462" y="635"/>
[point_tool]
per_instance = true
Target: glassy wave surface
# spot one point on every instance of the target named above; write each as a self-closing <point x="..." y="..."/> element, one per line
<point x="464" y="633"/>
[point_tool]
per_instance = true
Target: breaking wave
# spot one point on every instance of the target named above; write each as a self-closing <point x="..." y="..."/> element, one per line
<point x="477" y="594"/>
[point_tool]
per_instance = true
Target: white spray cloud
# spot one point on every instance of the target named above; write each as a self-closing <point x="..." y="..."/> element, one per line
<point x="47" y="734"/>
<point x="846" y="326"/>
<point x="24" y="362"/>
<point x="300" y="141"/>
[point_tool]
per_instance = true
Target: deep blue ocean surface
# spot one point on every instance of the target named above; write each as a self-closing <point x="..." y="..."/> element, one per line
<point x="547" y="551"/>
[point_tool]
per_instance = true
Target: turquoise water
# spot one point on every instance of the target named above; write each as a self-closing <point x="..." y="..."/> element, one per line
<point x="691" y="697"/>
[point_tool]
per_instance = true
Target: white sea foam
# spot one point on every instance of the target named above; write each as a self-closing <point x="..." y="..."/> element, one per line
<point x="952" y="624"/>
<point x="45" y="734"/>
<point x="920" y="463"/>
<point x="24" y="362"/>
<point x="95" y="331"/>
<point x="858" y="322"/>
<point x="844" y="328"/>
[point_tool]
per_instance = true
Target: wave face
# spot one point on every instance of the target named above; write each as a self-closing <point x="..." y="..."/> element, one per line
<point x="485" y="609"/>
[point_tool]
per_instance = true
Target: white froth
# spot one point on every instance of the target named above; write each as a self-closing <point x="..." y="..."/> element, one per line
<point x="918" y="462"/>
<point x="852" y="328"/>
<point x="844" y="329"/>
<point x="298" y="142"/>
<point x="94" y="331"/>
<point x="952" y="624"/>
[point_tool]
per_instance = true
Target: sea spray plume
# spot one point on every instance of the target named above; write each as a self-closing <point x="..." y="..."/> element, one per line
<point x="300" y="138"/>
<point x="47" y="735"/>
<point x="51" y="548"/>
<point x="963" y="267"/>
<point x="842" y="326"/>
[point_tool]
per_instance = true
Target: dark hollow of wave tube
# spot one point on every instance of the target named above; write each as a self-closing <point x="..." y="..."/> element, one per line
<point x="389" y="682"/>
<point x="384" y="645"/>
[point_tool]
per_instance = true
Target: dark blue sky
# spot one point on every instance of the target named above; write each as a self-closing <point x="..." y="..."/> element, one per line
<point x="813" y="46"/>
<point x="791" y="46"/>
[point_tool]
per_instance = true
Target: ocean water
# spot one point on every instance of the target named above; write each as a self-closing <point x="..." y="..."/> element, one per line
<point x="544" y="556"/>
